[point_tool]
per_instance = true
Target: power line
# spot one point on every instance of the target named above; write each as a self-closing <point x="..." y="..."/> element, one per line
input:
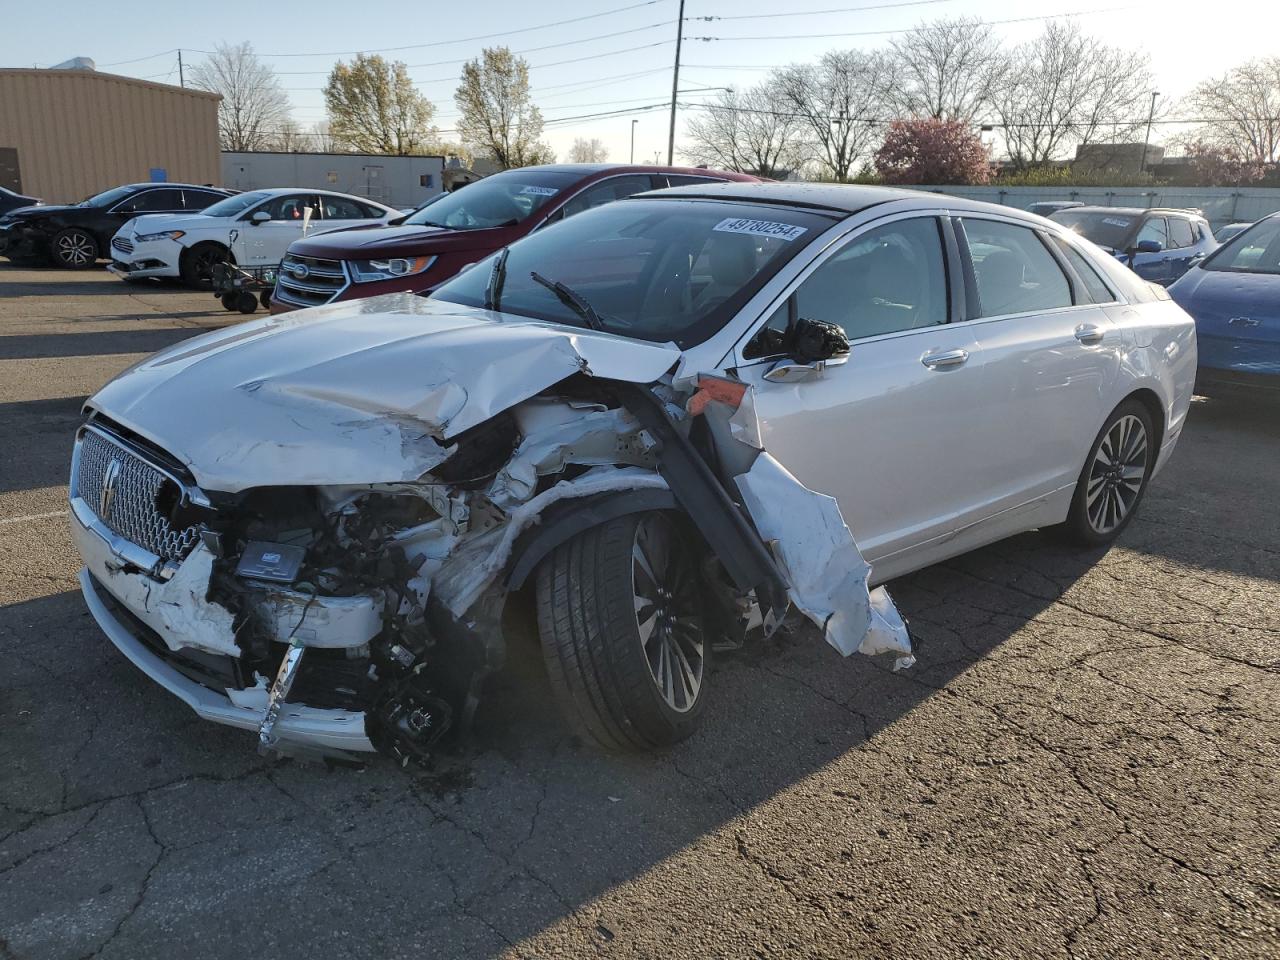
<point x="883" y="33"/>
<point x="818" y="13"/>
<point x="487" y="36"/>
<point x="445" y="63"/>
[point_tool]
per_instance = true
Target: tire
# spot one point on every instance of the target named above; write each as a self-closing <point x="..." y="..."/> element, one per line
<point x="196" y="264"/>
<point x="246" y="301"/>
<point x="265" y="299"/>
<point x="1115" y="474"/>
<point x="73" y="249"/>
<point x="229" y="301"/>
<point x="604" y="656"/>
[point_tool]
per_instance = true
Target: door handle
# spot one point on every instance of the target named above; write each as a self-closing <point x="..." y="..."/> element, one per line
<point x="945" y="359"/>
<point x="1089" y="333"/>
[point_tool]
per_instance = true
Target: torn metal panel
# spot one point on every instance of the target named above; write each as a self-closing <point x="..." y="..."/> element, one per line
<point x="319" y="621"/>
<point x="368" y="391"/>
<point x="825" y="572"/>
<point x="479" y="562"/>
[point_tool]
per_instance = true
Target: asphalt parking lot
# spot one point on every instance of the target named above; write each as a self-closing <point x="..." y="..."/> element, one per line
<point x="1084" y="763"/>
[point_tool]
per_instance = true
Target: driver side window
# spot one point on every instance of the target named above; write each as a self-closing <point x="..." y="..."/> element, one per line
<point x="887" y="279"/>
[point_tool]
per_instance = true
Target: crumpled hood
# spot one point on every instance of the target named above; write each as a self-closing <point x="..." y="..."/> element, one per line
<point x="355" y="392"/>
<point x="374" y="240"/>
<point x="30" y="213"/>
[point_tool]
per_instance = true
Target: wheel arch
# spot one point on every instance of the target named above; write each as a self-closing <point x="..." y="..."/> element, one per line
<point x="565" y="520"/>
<point x="1150" y="400"/>
<point x="187" y="250"/>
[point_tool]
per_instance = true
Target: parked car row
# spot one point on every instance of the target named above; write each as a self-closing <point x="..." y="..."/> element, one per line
<point x="667" y="417"/>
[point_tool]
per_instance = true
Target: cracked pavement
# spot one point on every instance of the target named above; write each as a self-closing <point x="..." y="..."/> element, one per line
<point x="1084" y="763"/>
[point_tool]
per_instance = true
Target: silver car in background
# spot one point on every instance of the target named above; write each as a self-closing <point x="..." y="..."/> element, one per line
<point x="670" y="419"/>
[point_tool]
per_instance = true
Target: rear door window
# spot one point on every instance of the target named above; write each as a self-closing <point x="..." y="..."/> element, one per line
<point x="1094" y="287"/>
<point x="1013" y="270"/>
<point x="152" y="201"/>
<point x="199" y="199"/>
<point x="1180" y="233"/>
<point x="685" y="179"/>
<point x="340" y="208"/>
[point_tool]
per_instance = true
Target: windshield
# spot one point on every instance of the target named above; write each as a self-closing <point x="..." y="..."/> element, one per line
<point x="660" y="270"/>
<point x="1103" y="228"/>
<point x="233" y="205"/>
<point x="107" y="197"/>
<point x="502" y="200"/>
<point x="1256" y="250"/>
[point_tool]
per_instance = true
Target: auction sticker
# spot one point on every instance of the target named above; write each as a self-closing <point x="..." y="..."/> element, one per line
<point x="760" y="228"/>
<point x="1117" y="221"/>
<point x="540" y="191"/>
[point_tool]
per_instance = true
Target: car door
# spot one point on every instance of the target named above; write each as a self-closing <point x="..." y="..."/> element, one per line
<point x="1050" y="353"/>
<point x="266" y="243"/>
<point x="339" y="212"/>
<point x="891" y="433"/>
<point x="1152" y="266"/>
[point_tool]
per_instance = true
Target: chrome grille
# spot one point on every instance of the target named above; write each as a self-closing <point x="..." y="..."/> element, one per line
<point x="321" y="280"/>
<point x="121" y="244"/>
<point x="131" y="510"/>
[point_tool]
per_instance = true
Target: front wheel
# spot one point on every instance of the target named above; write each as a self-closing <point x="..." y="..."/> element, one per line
<point x="1114" y="478"/>
<point x="74" y="249"/>
<point x="196" y="264"/>
<point x="622" y="632"/>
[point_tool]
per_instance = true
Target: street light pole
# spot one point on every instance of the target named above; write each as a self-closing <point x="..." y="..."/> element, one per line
<point x="1146" y="141"/>
<point x="675" y="86"/>
<point x="633" y="140"/>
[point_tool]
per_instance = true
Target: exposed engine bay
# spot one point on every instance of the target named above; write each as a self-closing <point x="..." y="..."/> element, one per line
<point x="381" y="604"/>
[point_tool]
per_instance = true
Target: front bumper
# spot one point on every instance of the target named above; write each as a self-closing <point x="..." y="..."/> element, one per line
<point x="17" y="241"/>
<point x="297" y="725"/>
<point x="155" y="259"/>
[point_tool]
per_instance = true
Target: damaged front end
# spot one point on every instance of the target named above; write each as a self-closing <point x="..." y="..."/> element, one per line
<point x="343" y="618"/>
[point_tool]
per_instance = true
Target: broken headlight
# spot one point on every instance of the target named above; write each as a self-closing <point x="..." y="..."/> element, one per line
<point x="366" y="271"/>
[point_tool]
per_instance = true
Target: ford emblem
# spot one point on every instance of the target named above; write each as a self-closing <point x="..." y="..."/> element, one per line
<point x="299" y="271"/>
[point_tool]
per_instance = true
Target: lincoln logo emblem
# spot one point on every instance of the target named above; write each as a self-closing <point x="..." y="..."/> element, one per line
<point x="108" y="488"/>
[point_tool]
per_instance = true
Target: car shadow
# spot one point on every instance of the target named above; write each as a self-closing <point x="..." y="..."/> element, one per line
<point x="521" y="818"/>
<point x="93" y="343"/>
<point x="36" y="436"/>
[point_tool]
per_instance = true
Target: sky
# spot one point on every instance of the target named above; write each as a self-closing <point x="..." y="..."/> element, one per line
<point x="618" y="54"/>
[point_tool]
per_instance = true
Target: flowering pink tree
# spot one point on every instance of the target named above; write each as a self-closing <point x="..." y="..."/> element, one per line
<point x="1221" y="167"/>
<point x="932" y="151"/>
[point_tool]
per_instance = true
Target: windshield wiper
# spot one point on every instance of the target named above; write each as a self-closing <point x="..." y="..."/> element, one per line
<point x="571" y="299"/>
<point x="497" y="276"/>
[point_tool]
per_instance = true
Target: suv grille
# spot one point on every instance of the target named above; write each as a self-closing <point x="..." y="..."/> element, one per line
<point x="132" y="508"/>
<point x="121" y="244"/>
<point x="320" y="281"/>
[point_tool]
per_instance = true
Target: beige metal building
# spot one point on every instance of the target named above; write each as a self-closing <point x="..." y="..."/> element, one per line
<point x="67" y="134"/>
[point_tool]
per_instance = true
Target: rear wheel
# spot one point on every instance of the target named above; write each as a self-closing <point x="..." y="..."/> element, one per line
<point x="74" y="249"/>
<point x="1114" y="478"/>
<point x="196" y="264"/>
<point x="622" y="632"/>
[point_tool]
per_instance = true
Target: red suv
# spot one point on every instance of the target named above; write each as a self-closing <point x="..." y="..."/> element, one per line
<point x="433" y="243"/>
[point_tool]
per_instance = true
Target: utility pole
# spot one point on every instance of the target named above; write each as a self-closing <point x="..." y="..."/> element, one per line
<point x="633" y="140"/>
<point x="1142" y="165"/>
<point x="675" y="86"/>
<point x="182" y="79"/>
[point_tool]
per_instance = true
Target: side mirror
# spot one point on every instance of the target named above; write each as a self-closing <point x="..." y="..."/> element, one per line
<point x="259" y="217"/>
<point x="813" y="346"/>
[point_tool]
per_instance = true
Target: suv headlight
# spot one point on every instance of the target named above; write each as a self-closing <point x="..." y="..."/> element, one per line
<point x="167" y="234"/>
<point x="366" y="271"/>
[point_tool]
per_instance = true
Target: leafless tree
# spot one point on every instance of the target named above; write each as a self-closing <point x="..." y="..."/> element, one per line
<point x="289" y="138"/>
<point x="750" y="131"/>
<point x="322" y="139"/>
<point x="588" y="151"/>
<point x="1066" y="88"/>
<point x="1241" y="110"/>
<point x="948" y="69"/>
<point x="254" y="106"/>
<point x="841" y="103"/>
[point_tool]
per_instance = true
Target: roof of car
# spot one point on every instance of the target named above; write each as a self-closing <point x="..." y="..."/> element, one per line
<point x="1136" y="211"/>
<point x="845" y="198"/>
<point x="193" y="186"/>
<point x="591" y="169"/>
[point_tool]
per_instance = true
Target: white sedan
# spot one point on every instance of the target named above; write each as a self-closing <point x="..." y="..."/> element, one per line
<point x="251" y="229"/>
<point x="669" y="419"/>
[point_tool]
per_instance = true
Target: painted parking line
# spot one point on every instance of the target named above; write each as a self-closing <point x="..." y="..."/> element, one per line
<point x="33" y="516"/>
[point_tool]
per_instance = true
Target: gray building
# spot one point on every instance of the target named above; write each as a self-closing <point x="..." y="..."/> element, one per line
<point x="395" y="181"/>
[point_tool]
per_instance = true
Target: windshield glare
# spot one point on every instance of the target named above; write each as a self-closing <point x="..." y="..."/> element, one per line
<point x="502" y="200"/>
<point x="1256" y="250"/>
<point x="1103" y="228"/>
<point x="659" y="270"/>
<point x="107" y="197"/>
<point x="233" y="205"/>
